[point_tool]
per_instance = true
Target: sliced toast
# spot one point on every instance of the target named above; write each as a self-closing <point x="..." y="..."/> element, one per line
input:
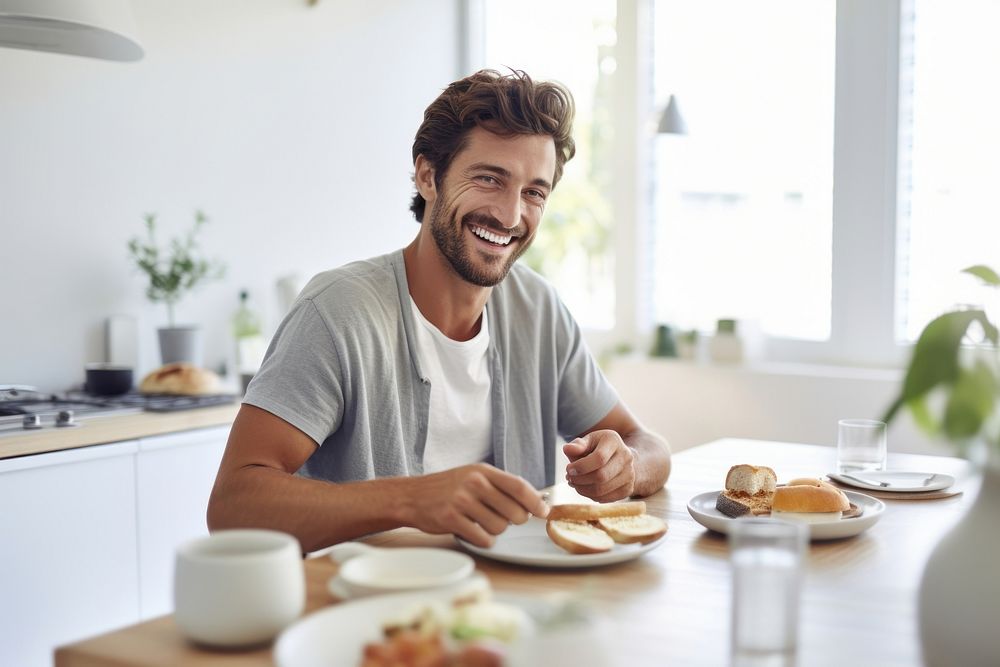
<point x="578" y="537"/>
<point x="644" y="528"/>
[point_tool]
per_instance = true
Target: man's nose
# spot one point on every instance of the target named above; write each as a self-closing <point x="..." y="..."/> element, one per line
<point x="508" y="210"/>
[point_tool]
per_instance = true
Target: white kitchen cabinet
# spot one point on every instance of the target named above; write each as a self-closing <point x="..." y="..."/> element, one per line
<point x="175" y="474"/>
<point x="68" y="561"/>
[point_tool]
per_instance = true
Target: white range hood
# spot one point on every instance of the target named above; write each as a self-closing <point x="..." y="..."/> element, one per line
<point x="94" y="28"/>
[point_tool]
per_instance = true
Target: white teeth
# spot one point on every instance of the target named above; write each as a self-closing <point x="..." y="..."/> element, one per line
<point x="490" y="236"/>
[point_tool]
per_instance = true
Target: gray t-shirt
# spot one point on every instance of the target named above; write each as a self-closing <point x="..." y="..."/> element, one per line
<point x="343" y="368"/>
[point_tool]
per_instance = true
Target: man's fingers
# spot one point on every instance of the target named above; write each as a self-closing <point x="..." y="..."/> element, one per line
<point x="505" y="506"/>
<point x="602" y="452"/>
<point x="574" y="449"/>
<point x="519" y="491"/>
<point x="618" y="488"/>
<point x="473" y="533"/>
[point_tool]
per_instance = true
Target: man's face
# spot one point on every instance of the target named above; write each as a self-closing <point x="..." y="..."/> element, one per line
<point x="488" y="207"/>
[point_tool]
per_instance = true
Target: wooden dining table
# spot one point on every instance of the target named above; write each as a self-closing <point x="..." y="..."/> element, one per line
<point x="671" y="606"/>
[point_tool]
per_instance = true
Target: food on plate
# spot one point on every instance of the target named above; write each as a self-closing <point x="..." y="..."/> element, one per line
<point x="809" y="500"/>
<point x="412" y="649"/>
<point x="578" y="537"/>
<point x="595" y="527"/>
<point x="182" y="379"/>
<point x="594" y="511"/>
<point x="644" y="528"/>
<point x="469" y="630"/>
<point x="749" y="490"/>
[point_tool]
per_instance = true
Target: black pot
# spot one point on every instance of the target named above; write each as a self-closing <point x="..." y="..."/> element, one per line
<point x="108" y="379"/>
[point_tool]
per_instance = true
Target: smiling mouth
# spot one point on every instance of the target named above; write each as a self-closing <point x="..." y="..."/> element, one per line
<point x="492" y="237"/>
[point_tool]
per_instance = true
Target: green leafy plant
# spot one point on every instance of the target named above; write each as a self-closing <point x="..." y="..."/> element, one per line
<point x="176" y="270"/>
<point x="952" y="384"/>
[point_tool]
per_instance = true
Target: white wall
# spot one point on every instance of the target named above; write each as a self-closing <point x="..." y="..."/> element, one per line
<point x="691" y="403"/>
<point x="289" y="125"/>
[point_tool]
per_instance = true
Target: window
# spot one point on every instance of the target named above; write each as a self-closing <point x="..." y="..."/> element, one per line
<point x="741" y="222"/>
<point x="573" y="248"/>
<point x="834" y="179"/>
<point x="948" y="157"/>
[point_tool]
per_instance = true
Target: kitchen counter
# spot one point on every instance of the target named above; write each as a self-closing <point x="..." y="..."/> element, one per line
<point x="115" y="428"/>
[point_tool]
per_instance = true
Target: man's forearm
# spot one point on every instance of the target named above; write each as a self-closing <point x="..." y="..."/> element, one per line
<point x="652" y="461"/>
<point x="317" y="513"/>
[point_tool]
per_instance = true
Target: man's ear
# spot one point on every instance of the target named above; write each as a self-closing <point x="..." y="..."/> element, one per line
<point x="423" y="177"/>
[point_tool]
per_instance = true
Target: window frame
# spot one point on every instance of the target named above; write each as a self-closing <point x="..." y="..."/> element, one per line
<point x="865" y="184"/>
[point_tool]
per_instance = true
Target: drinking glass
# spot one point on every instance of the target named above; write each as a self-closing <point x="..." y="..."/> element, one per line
<point x="766" y="557"/>
<point x="861" y="445"/>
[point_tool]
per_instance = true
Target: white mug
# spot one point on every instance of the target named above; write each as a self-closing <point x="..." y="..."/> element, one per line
<point x="238" y="587"/>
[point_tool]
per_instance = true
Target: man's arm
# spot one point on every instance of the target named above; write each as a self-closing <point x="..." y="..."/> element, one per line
<point x="617" y="458"/>
<point x="256" y="487"/>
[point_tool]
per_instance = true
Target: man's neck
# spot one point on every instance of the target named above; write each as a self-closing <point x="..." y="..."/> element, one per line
<point x="450" y="303"/>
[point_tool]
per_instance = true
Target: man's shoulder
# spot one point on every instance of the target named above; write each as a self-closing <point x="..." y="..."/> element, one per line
<point x="360" y="284"/>
<point x="523" y="286"/>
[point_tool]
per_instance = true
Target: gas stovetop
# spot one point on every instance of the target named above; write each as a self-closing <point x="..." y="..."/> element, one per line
<point x="26" y="409"/>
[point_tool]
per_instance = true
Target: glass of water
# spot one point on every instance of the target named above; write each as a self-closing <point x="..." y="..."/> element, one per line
<point x="766" y="557"/>
<point x="861" y="445"/>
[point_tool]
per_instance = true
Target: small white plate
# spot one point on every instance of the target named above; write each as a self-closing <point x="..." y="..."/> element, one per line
<point x="529" y="544"/>
<point x="702" y="508"/>
<point x="367" y="570"/>
<point x="900" y="481"/>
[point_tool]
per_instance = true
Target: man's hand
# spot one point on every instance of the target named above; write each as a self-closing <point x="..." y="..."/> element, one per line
<point x="475" y="502"/>
<point x="602" y="466"/>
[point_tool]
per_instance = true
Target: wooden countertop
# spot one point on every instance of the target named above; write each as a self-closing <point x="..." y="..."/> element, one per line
<point x="672" y="605"/>
<point x="103" y="430"/>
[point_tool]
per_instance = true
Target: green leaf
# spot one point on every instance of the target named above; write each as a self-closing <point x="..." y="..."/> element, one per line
<point x="971" y="402"/>
<point x="984" y="273"/>
<point x="923" y="416"/>
<point x="935" y="357"/>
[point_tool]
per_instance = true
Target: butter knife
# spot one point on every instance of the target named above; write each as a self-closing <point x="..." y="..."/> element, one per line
<point x="869" y="482"/>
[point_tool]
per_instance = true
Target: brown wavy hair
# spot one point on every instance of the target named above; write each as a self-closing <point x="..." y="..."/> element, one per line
<point x="504" y="104"/>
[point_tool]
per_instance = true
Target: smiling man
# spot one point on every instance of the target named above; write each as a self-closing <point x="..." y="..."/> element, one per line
<point x="430" y="387"/>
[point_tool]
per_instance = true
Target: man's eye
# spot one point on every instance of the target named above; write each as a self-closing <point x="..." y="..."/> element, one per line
<point x="536" y="194"/>
<point x="488" y="179"/>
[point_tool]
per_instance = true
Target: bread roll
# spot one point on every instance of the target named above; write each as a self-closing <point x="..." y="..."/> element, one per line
<point x="751" y="480"/>
<point x="578" y="537"/>
<point x="845" y="504"/>
<point x="594" y="511"/>
<point x="806" y="498"/>
<point x="181" y="379"/>
<point x="748" y="491"/>
<point x="644" y="528"/>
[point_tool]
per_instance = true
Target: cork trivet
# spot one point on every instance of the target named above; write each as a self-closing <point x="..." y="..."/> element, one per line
<point x="900" y="495"/>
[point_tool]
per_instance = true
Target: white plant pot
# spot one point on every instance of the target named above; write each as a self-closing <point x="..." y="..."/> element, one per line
<point x="180" y="344"/>
<point x="960" y="589"/>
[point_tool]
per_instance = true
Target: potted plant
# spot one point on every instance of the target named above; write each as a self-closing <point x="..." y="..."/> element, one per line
<point x="173" y="272"/>
<point x="952" y="390"/>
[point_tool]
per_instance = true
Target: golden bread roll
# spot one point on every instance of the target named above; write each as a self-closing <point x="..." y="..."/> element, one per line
<point x="182" y="379"/>
<point x="806" y="498"/>
<point x="810" y="481"/>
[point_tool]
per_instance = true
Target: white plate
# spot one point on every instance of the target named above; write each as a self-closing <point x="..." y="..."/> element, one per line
<point x="528" y="544"/>
<point x="702" y="508"/>
<point x="337" y="635"/>
<point x="900" y="481"/>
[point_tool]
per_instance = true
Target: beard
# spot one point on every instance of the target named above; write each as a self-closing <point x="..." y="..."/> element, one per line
<point x="478" y="268"/>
